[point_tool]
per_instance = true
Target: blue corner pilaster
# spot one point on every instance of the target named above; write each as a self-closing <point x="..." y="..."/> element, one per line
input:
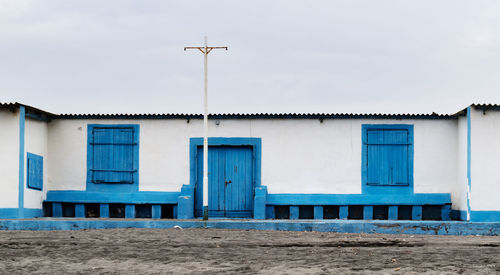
<point x="185" y="209"/>
<point x="185" y="203"/>
<point x="80" y="210"/>
<point x="20" y="198"/>
<point x="259" y="209"/>
<point x="270" y="212"/>
<point x="104" y="210"/>
<point x="57" y="210"/>
<point x="416" y="212"/>
<point x="156" y="211"/>
<point x="294" y="212"/>
<point x="368" y="212"/>
<point x="446" y="212"/>
<point x="318" y="212"/>
<point x="393" y="212"/>
<point x="343" y="212"/>
<point x="129" y="211"/>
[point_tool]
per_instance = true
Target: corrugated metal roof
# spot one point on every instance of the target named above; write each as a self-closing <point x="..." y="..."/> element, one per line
<point x="256" y="116"/>
<point x="433" y="115"/>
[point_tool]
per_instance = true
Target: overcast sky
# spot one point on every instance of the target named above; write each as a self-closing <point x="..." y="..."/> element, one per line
<point x="284" y="56"/>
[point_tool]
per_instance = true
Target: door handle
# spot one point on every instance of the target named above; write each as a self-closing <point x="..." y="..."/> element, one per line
<point x="227" y="182"/>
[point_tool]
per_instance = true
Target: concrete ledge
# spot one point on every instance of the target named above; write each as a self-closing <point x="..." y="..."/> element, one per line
<point x="343" y="226"/>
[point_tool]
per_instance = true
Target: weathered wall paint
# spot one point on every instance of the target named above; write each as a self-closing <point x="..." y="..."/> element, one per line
<point x="36" y="142"/>
<point x="298" y="156"/>
<point x="9" y="158"/>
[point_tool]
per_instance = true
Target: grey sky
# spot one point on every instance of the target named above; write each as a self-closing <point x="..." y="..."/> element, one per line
<point x="284" y="56"/>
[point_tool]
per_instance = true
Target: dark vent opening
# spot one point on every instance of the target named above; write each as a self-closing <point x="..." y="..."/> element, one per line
<point x="380" y="212"/>
<point x="167" y="211"/>
<point x="143" y="211"/>
<point x="47" y="209"/>
<point x="355" y="212"/>
<point x="117" y="210"/>
<point x="431" y="212"/>
<point x="68" y="210"/>
<point x="405" y="212"/>
<point x="92" y="210"/>
<point x="282" y="212"/>
<point x="306" y="212"/>
<point x="331" y="212"/>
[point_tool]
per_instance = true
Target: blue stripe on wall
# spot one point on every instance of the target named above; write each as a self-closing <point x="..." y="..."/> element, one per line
<point x="105" y="197"/>
<point x="344" y="226"/>
<point x="469" y="180"/>
<point x="20" y="201"/>
<point x="485" y="216"/>
<point x="15" y="213"/>
<point x="358" y="199"/>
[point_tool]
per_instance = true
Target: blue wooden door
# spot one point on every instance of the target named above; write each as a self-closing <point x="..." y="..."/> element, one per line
<point x="387" y="159"/>
<point x="230" y="182"/>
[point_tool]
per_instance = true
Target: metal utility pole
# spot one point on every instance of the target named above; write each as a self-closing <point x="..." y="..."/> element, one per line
<point x="205" y="50"/>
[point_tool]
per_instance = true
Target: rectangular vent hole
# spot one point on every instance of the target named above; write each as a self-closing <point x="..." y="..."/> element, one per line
<point x="68" y="210"/>
<point x="282" y="212"/>
<point x="355" y="212"/>
<point x="431" y="212"/>
<point x="167" y="211"/>
<point x="92" y="210"/>
<point x="380" y="212"/>
<point x="47" y="209"/>
<point x="405" y="212"/>
<point x="116" y="210"/>
<point x="143" y="211"/>
<point x="306" y="212"/>
<point x="331" y="212"/>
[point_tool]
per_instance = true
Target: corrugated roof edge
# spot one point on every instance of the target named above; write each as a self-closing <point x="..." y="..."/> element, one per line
<point x="30" y="110"/>
<point x="255" y="116"/>
<point x="41" y="114"/>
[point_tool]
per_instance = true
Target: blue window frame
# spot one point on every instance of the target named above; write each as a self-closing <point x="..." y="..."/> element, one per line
<point x="112" y="155"/>
<point x="387" y="162"/>
<point x="35" y="171"/>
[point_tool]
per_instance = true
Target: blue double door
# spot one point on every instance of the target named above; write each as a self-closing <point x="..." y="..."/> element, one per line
<point x="230" y="182"/>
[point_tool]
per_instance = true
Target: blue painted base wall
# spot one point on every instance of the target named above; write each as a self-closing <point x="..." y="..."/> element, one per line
<point x="14" y="213"/>
<point x="342" y="226"/>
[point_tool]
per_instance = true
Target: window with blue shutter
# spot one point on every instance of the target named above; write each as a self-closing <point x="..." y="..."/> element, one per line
<point x="34" y="171"/>
<point x="387" y="155"/>
<point x="113" y="154"/>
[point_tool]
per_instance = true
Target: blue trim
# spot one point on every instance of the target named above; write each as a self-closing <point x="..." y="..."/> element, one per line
<point x="32" y="183"/>
<point x="20" y="200"/>
<point x="194" y="143"/>
<point x="112" y="187"/>
<point x="469" y="180"/>
<point x="370" y="189"/>
<point x="105" y="197"/>
<point x="342" y="226"/>
<point x="13" y="213"/>
<point x="358" y="199"/>
<point x="485" y="216"/>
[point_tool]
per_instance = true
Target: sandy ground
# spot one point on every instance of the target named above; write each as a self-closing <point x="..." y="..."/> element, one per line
<point x="133" y="251"/>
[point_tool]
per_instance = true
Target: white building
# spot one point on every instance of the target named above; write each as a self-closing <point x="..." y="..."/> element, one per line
<point x="356" y="166"/>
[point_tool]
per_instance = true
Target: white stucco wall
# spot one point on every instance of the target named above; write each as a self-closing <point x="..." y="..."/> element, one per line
<point x="485" y="152"/>
<point x="459" y="190"/>
<point x="9" y="158"/>
<point x="35" y="141"/>
<point x="298" y="156"/>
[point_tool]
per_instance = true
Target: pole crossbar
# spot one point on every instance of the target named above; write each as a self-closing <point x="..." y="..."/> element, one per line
<point x="205" y="50"/>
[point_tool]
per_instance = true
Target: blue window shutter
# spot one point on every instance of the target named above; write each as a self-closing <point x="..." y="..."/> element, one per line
<point x="35" y="171"/>
<point x="113" y="160"/>
<point x="387" y="156"/>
